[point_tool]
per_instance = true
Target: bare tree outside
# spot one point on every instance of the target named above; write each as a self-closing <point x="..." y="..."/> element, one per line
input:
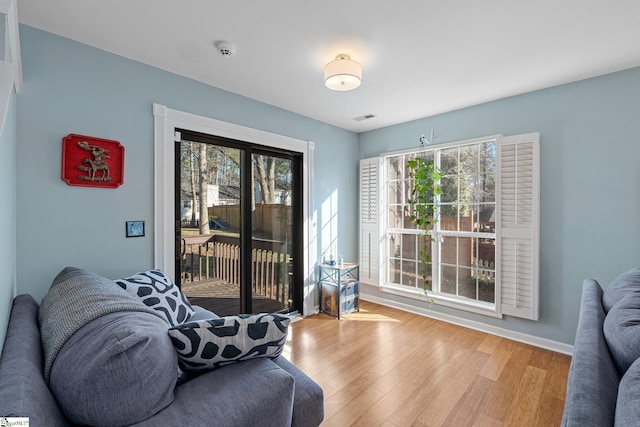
<point x="266" y="177"/>
<point x="203" y="181"/>
<point x="192" y="174"/>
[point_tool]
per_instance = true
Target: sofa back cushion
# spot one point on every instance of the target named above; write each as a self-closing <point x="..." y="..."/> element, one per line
<point x="620" y="286"/>
<point x="622" y="331"/>
<point x="75" y="298"/>
<point x="119" y="369"/>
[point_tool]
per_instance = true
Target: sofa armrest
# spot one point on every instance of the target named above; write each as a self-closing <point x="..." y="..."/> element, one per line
<point x="308" y="400"/>
<point x="23" y="392"/>
<point x="592" y="386"/>
<point x="254" y="392"/>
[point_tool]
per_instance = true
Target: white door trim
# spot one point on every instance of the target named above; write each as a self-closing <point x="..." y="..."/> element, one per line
<point x="165" y="122"/>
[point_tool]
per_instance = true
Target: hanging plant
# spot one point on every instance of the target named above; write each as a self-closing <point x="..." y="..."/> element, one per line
<point x="422" y="203"/>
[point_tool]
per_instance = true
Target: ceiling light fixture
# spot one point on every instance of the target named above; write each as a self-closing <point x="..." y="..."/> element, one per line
<point x="343" y="73"/>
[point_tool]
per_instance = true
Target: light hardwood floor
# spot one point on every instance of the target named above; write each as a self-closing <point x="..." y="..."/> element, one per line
<point x="386" y="367"/>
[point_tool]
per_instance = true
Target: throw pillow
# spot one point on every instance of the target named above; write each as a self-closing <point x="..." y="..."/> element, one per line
<point x="157" y="291"/>
<point x="622" y="331"/>
<point x="118" y="369"/>
<point x="620" y="286"/>
<point x="212" y="343"/>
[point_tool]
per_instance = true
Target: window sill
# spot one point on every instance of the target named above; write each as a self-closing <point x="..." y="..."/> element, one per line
<point x="483" y="308"/>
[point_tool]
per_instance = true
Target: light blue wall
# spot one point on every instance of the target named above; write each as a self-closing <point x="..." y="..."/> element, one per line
<point x="73" y="88"/>
<point x="590" y="186"/>
<point x="590" y="146"/>
<point x="7" y="216"/>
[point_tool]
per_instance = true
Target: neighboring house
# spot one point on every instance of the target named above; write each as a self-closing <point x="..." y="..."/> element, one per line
<point x="216" y="195"/>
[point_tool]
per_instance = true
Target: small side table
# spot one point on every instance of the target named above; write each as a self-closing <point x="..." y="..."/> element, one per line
<point x="339" y="288"/>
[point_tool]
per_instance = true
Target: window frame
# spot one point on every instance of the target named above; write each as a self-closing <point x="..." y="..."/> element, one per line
<point x="445" y="299"/>
<point x="517" y="223"/>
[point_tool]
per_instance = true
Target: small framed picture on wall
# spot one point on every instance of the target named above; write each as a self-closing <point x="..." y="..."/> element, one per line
<point x="135" y="228"/>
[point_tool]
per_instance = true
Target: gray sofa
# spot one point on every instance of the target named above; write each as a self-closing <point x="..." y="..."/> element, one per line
<point x="143" y="385"/>
<point x="603" y="387"/>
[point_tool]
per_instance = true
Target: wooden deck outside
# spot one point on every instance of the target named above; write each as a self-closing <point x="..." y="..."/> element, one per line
<point x="223" y="298"/>
<point x="210" y="267"/>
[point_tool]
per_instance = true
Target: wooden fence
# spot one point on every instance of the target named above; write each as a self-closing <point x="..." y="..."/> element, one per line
<point x="218" y="258"/>
<point x="486" y="271"/>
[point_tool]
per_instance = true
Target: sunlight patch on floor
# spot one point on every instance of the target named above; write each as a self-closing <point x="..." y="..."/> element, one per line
<point x="367" y="316"/>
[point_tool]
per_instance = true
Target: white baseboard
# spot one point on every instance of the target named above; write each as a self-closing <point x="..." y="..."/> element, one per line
<point x="471" y="324"/>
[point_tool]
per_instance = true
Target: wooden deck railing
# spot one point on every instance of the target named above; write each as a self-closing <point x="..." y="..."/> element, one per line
<point x="217" y="257"/>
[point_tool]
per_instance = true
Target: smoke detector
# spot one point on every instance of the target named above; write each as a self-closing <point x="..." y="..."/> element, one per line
<point x="225" y="49"/>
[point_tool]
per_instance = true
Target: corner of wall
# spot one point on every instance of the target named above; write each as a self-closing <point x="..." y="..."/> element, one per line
<point x="8" y="268"/>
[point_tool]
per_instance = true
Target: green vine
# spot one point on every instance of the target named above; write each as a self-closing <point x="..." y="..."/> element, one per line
<point x="426" y="185"/>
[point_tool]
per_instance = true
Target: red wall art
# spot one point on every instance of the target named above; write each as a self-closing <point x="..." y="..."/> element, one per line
<point x="92" y="162"/>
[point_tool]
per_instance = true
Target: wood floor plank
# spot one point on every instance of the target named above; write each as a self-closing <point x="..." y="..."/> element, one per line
<point x="490" y="343"/>
<point x="353" y="410"/>
<point x="501" y="397"/>
<point x="467" y="410"/>
<point x="394" y="399"/>
<point x="450" y="392"/>
<point x="558" y="371"/>
<point x="496" y="363"/>
<point x="389" y="368"/>
<point x="434" y="383"/>
<point x="549" y="411"/>
<point x="487" y="421"/>
<point x="524" y="409"/>
<point x="343" y="398"/>
<point x="411" y="366"/>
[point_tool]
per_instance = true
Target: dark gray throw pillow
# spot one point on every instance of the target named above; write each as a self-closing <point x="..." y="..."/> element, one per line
<point x="119" y="369"/>
<point x="157" y="291"/>
<point x="212" y="343"/>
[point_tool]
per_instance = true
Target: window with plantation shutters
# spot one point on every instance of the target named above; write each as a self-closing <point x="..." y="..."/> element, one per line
<point x="370" y="193"/>
<point x="484" y="249"/>
<point x="519" y="225"/>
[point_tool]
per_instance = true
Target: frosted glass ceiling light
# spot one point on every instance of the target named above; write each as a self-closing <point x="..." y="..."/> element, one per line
<point x="343" y="73"/>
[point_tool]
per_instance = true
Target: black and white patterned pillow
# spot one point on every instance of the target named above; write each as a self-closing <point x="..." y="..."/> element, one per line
<point x="157" y="291"/>
<point x="212" y="343"/>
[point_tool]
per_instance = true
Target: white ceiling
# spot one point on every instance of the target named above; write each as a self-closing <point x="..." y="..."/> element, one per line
<point x="419" y="57"/>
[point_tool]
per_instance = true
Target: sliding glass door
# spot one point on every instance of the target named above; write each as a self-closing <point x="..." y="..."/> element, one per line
<point x="238" y="224"/>
<point x="272" y="232"/>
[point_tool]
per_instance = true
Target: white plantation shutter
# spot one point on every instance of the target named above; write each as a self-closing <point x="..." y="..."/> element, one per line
<point x="370" y="217"/>
<point x="518" y="232"/>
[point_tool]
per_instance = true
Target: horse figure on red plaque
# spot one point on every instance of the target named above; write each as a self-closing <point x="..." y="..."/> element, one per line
<point x="96" y="165"/>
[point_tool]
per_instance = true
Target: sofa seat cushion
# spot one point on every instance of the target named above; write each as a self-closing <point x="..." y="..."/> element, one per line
<point x="620" y="286"/>
<point x="628" y="406"/>
<point x="622" y="331"/>
<point x="119" y="369"/>
<point x="252" y="393"/>
<point x="156" y="290"/>
<point x="212" y="343"/>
